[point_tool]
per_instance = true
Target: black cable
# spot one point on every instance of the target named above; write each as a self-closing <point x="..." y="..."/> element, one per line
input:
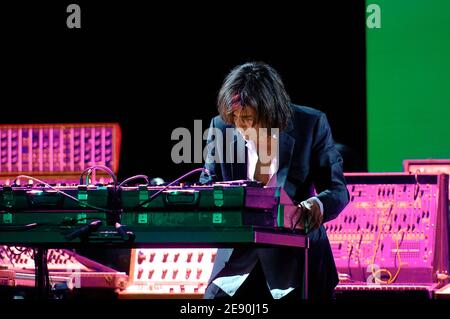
<point x="170" y="184"/>
<point x="18" y="227"/>
<point x="416" y="186"/>
<point x="359" y="253"/>
<point x="74" y="221"/>
<point x="348" y="262"/>
<point x="63" y="193"/>
<point x="89" y="170"/>
<point x="306" y="223"/>
<point x="64" y="222"/>
<point x="84" y="231"/>
<point x="399" y="245"/>
<point x="133" y="178"/>
<point x="298" y="220"/>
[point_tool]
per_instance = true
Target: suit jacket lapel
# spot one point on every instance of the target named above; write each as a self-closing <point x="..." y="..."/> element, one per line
<point x="238" y="170"/>
<point x="286" y="148"/>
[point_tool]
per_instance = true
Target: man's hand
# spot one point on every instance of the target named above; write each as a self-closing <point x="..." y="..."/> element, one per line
<point x="310" y="215"/>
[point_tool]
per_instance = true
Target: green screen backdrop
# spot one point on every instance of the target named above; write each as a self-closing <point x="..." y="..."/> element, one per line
<point x="408" y="83"/>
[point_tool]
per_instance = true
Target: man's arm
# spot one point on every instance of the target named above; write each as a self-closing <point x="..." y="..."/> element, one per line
<point x="327" y="171"/>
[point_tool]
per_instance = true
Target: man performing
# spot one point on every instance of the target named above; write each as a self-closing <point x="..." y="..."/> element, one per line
<point x="304" y="159"/>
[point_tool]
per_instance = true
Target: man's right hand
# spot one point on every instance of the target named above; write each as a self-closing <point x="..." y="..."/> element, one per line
<point x="308" y="215"/>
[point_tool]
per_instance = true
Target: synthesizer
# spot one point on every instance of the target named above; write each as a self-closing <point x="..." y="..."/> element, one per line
<point x="394" y="222"/>
<point x="157" y="217"/>
<point x="221" y="213"/>
<point x="393" y="234"/>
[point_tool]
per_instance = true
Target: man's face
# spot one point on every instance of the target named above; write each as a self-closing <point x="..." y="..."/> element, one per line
<point x="244" y="118"/>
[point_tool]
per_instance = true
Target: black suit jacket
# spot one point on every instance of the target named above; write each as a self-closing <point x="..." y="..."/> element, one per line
<point x="308" y="160"/>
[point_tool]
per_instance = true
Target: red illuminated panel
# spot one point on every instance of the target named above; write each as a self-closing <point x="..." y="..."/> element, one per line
<point x="42" y="149"/>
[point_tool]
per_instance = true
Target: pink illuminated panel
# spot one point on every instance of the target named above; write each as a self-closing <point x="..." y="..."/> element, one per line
<point x="64" y="266"/>
<point x="391" y="232"/>
<point x="64" y="149"/>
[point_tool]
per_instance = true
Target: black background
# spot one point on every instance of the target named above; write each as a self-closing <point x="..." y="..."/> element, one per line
<point x="155" y="67"/>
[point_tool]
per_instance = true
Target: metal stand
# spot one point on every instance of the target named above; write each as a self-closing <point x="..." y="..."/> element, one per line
<point x="305" y="272"/>
<point x="42" y="283"/>
<point x="264" y="236"/>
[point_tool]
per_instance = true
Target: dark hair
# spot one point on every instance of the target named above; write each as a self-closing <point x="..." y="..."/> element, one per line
<point x="258" y="85"/>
